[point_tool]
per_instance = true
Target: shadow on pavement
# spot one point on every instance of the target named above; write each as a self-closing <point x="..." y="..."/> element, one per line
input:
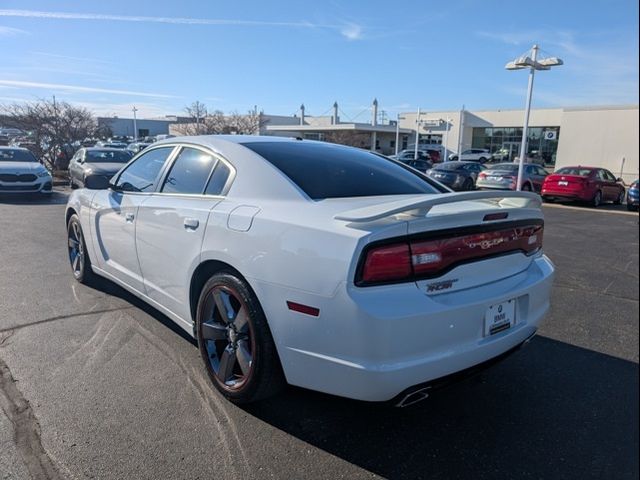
<point x="550" y="411"/>
<point x="54" y="198"/>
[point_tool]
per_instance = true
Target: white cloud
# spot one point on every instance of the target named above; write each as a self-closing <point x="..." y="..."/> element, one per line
<point x="78" y="88"/>
<point x="147" y="19"/>
<point x="352" y="31"/>
<point x="11" y="32"/>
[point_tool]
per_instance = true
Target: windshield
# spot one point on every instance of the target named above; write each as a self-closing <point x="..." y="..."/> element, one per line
<point x="333" y="171"/>
<point x="504" y="166"/>
<point x="580" y="172"/>
<point x="16" y="155"/>
<point x="108" y="156"/>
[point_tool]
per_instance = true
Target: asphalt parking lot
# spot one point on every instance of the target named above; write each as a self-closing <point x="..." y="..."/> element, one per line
<point x="95" y="384"/>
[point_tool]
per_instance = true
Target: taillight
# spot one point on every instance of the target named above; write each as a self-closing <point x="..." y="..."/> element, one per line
<point x="387" y="263"/>
<point x="428" y="258"/>
<point x="482" y="175"/>
<point x="433" y="257"/>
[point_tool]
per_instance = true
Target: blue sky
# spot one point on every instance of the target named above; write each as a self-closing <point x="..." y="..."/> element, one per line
<point x="161" y="56"/>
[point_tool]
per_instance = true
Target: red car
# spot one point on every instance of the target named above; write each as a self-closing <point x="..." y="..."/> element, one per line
<point x="587" y="184"/>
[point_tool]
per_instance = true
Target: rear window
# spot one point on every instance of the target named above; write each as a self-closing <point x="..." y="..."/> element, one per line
<point x="16" y="155"/>
<point x="504" y="166"/>
<point x="581" y="172"/>
<point x="325" y="170"/>
<point x="449" y="166"/>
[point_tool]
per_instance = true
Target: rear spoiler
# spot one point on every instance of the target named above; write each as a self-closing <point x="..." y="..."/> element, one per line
<point x="424" y="203"/>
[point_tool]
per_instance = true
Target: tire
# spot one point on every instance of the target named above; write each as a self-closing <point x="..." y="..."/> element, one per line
<point x="239" y="355"/>
<point x="72" y="184"/>
<point x="454" y="158"/>
<point x="482" y="160"/>
<point x="77" y="250"/>
<point x="631" y="208"/>
<point x="597" y="199"/>
<point x="620" y="199"/>
<point x="468" y="185"/>
<point x="526" y="187"/>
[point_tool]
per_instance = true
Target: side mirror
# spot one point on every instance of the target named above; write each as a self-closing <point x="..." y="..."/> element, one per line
<point x="97" y="182"/>
<point x="619" y="180"/>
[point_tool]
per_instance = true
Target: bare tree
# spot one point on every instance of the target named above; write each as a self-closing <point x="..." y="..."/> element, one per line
<point x="52" y="127"/>
<point x="205" y="123"/>
<point x="352" y="139"/>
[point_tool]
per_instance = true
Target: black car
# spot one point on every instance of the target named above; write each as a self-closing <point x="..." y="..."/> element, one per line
<point x="105" y="162"/>
<point x="457" y="175"/>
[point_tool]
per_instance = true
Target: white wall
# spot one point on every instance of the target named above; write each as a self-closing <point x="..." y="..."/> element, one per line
<point x="601" y="138"/>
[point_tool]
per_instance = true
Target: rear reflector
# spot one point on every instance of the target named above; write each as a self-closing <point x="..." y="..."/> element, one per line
<point x="306" y="309"/>
<point x="427" y="258"/>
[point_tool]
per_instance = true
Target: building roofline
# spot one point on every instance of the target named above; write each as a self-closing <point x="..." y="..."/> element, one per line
<point x="363" y="127"/>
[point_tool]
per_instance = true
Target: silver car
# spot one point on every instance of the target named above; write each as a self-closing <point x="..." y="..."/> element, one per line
<point x="93" y="161"/>
<point x="504" y="176"/>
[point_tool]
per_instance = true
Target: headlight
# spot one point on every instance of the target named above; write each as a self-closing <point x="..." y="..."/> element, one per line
<point x="44" y="173"/>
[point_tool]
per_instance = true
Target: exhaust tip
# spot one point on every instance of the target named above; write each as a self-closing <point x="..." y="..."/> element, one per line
<point x="414" y="397"/>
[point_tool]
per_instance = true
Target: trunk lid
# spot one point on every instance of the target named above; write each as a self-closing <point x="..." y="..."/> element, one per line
<point x="472" y="219"/>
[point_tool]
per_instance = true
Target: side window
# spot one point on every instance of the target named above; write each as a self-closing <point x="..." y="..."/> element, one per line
<point x="600" y="175"/>
<point x="189" y="172"/>
<point x="542" y="171"/>
<point x="218" y="179"/>
<point x="141" y="175"/>
<point x="609" y="176"/>
<point x="530" y="170"/>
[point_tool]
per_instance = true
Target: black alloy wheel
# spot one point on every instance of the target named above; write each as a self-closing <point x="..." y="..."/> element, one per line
<point x="235" y="341"/>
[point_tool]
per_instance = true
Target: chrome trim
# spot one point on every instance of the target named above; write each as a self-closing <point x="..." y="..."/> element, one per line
<point x="168" y="163"/>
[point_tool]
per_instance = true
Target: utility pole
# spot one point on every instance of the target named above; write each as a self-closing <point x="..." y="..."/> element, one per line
<point x="527" y="111"/>
<point x="135" y="124"/>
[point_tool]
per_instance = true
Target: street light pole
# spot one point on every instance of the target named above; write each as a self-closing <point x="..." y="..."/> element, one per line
<point x="533" y="64"/>
<point x="415" y="152"/>
<point x="527" y="111"/>
<point x="398" y="118"/>
<point x="446" y="140"/>
<point x="135" y="124"/>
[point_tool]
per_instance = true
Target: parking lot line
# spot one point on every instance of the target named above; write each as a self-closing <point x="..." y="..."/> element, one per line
<point x="590" y="210"/>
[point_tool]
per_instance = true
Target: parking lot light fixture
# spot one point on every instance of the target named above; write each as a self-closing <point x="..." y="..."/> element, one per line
<point x="135" y="124"/>
<point x="533" y="64"/>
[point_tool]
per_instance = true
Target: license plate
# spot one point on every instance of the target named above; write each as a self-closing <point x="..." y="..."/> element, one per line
<point x="564" y="184"/>
<point x="495" y="179"/>
<point x="499" y="317"/>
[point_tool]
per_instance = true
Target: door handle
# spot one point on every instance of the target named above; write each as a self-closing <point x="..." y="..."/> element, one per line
<point x="191" y="223"/>
<point x="129" y="217"/>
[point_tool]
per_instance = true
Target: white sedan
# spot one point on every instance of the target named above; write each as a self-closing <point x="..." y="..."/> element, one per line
<point x="20" y="172"/>
<point x="324" y="266"/>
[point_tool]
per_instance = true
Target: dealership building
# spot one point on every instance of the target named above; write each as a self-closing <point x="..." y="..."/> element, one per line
<point x="602" y="136"/>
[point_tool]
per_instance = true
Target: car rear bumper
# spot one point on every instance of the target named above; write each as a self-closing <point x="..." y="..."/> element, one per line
<point x="567" y="194"/>
<point x="633" y="199"/>
<point x="370" y="344"/>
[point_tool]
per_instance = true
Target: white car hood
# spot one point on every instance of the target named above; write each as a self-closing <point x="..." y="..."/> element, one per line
<point x="20" y="167"/>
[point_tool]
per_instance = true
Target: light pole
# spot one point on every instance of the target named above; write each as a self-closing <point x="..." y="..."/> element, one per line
<point x="446" y="139"/>
<point x="533" y="64"/>
<point x="415" y="152"/>
<point x="135" y="124"/>
<point x="398" y="118"/>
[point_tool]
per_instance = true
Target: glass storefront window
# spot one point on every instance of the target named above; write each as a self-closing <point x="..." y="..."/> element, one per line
<point x="505" y="142"/>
